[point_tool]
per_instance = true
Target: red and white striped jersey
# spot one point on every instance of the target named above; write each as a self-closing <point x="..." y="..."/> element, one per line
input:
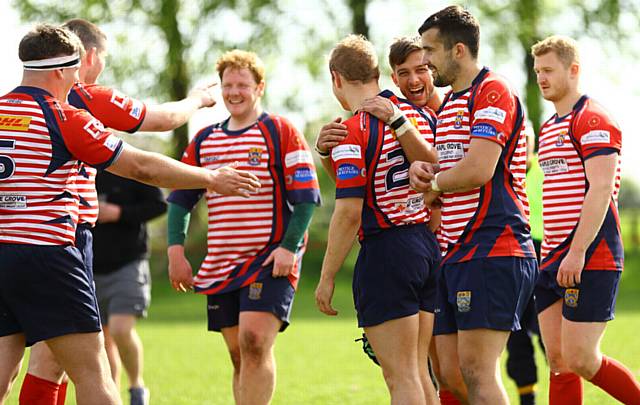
<point x="491" y="220"/>
<point x="41" y="141"/>
<point x="241" y="231"/>
<point x="565" y="144"/>
<point x="370" y="164"/>
<point x="116" y="111"/>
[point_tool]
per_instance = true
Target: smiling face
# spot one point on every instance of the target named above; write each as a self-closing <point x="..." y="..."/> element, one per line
<point x="555" y="80"/>
<point x="439" y="59"/>
<point x="240" y="92"/>
<point x="413" y="78"/>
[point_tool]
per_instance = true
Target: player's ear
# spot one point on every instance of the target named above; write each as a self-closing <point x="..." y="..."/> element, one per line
<point x="261" y="87"/>
<point x="394" y="77"/>
<point x="335" y="77"/>
<point x="574" y="69"/>
<point x="91" y="55"/>
<point x="459" y="50"/>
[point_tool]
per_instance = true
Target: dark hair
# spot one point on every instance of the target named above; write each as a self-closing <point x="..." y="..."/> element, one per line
<point x="89" y="33"/>
<point x="48" y="41"/>
<point x="401" y="48"/>
<point x="455" y="24"/>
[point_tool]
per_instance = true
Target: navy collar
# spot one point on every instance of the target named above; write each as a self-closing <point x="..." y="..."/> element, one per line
<point x="32" y="91"/>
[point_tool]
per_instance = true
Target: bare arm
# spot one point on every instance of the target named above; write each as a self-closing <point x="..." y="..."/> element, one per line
<point x="600" y="172"/>
<point x="171" y="115"/>
<point x="342" y="232"/>
<point x="158" y="170"/>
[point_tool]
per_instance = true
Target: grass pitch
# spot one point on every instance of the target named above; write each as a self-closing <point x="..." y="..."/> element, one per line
<point x="318" y="362"/>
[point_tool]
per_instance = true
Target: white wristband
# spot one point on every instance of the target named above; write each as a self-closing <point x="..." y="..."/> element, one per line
<point x="434" y="183"/>
<point x="404" y="128"/>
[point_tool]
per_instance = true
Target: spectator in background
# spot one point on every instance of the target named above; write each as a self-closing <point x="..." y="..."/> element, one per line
<point x="121" y="271"/>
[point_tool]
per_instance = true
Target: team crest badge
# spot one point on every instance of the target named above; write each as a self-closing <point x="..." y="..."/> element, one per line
<point x="458" y="122"/>
<point x="255" y="291"/>
<point x="463" y="300"/>
<point x="571" y="297"/>
<point x="560" y="140"/>
<point x="255" y="155"/>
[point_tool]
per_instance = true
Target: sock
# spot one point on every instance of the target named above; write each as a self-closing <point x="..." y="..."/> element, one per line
<point x="38" y="391"/>
<point x="565" y="389"/>
<point x="62" y="393"/>
<point x="527" y="394"/>
<point x="447" y="398"/>
<point x="617" y="381"/>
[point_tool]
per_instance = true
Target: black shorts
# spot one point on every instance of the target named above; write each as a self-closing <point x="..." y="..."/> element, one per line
<point x="274" y="295"/>
<point x="488" y="293"/>
<point x="394" y="276"/>
<point x="593" y="300"/>
<point x="45" y="292"/>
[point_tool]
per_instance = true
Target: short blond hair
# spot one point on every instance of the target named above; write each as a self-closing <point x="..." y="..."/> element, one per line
<point x="355" y="59"/>
<point x="238" y="59"/>
<point x="564" y="47"/>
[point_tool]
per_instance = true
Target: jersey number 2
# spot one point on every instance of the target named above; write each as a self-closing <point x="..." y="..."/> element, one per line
<point x="7" y="164"/>
<point x="398" y="174"/>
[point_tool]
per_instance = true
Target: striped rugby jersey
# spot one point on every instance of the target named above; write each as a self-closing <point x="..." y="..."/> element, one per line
<point x="41" y="140"/>
<point x="243" y="232"/>
<point x="565" y="144"/>
<point x="370" y="164"/>
<point x="492" y="220"/>
<point x="116" y="111"/>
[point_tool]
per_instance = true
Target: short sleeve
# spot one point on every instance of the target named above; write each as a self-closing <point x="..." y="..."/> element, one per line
<point x="597" y="134"/>
<point x="87" y="140"/>
<point x="116" y="110"/>
<point x="348" y="161"/>
<point x="301" y="180"/>
<point x="494" y="112"/>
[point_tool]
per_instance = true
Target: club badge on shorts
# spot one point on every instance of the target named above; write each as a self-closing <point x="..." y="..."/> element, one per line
<point x="571" y="297"/>
<point x="255" y="155"/>
<point x="255" y="291"/>
<point x="463" y="300"/>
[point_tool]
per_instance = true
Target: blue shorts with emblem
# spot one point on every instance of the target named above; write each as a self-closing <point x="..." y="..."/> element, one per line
<point x="488" y="293"/>
<point x="45" y="292"/>
<point x="394" y="276"/>
<point x="593" y="300"/>
<point x="269" y="294"/>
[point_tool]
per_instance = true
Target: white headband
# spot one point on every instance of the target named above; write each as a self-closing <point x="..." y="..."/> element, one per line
<point x="69" y="61"/>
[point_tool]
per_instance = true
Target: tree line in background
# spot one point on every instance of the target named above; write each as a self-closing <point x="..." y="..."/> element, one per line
<point x="191" y="34"/>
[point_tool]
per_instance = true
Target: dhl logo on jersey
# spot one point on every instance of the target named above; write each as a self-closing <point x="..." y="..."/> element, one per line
<point x="14" y="123"/>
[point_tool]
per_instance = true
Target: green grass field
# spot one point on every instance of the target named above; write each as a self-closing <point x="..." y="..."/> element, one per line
<point x="318" y="362"/>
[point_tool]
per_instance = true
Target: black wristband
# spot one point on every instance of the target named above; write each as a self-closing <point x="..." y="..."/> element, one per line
<point x="398" y="122"/>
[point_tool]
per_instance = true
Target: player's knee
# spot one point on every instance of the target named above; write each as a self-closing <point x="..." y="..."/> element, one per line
<point x="584" y="363"/>
<point x="46" y="367"/>
<point x="120" y="333"/>
<point x="254" y="345"/>
<point x="556" y="362"/>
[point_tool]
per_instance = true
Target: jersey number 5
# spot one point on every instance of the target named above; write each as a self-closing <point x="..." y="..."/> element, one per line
<point x="398" y="174"/>
<point x="7" y="164"/>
